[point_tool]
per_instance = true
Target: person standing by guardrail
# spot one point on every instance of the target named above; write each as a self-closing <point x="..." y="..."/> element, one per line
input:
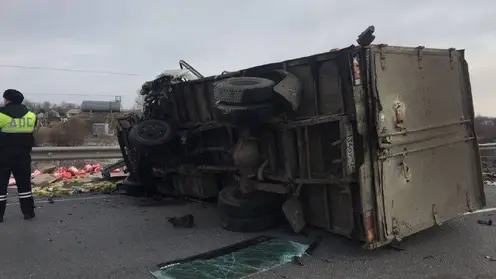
<point x="17" y="125"/>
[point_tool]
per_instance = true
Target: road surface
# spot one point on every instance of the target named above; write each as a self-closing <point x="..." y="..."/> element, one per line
<point x="121" y="237"/>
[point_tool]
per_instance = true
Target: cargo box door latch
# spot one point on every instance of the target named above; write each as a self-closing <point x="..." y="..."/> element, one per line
<point x="435" y="215"/>
<point x="452" y="57"/>
<point x="383" y="56"/>
<point x="406" y="169"/>
<point x="420" y="56"/>
<point x="399" y="116"/>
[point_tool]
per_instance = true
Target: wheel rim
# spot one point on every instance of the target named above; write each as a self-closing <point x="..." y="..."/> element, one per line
<point x="243" y="82"/>
<point x="151" y="132"/>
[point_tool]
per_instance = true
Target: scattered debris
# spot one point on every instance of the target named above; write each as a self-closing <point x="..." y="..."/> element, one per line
<point x="314" y="245"/>
<point x="74" y="186"/>
<point x="52" y="181"/>
<point x="428" y="257"/>
<point x="489" y="178"/>
<point x="326" y="260"/>
<point x="298" y="260"/>
<point x="492" y="259"/>
<point x="45" y="167"/>
<point x="485" y="222"/>
<point x="43" y="180"/>
<point x="50" y="200"/>
<point x="396" y="247"/>
<point x="185" y="221"/>
<point x="47" y="175"/>
<point x="489" y="175"/>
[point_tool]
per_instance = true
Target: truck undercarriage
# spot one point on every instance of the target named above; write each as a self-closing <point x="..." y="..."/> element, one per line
<point x="291" y="138"/>
<point x="250" y="133"/>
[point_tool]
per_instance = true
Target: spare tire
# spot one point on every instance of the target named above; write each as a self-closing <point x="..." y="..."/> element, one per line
<point x="244" y="114"/>
<point x="233" y="203"/>
<point x="243" y="90"/>
<point x="150" y="133"/>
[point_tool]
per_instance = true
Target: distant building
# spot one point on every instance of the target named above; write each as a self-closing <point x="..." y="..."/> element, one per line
<point x="52" y="116"/>
<point x="488" y="122"/>
<point x="73" y="112"/>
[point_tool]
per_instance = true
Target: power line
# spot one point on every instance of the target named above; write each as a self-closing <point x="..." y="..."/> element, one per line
<point x="67" y="70"/>
<point x="61" y="94"/>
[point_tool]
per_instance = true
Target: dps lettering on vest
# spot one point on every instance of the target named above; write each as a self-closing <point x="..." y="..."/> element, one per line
<point x="22" y="122"/>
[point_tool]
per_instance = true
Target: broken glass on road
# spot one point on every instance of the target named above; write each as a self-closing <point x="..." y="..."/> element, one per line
<point x="234" y="262"/>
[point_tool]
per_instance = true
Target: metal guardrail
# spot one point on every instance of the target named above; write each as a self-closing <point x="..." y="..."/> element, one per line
<point x="75" y="153"/>
<point x="487" y="150"/>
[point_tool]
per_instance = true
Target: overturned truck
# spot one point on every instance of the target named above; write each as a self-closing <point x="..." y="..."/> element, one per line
<point x="373" y="142"/>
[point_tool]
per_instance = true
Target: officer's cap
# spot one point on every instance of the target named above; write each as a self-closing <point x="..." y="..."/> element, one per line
<point x="13" y="96"/>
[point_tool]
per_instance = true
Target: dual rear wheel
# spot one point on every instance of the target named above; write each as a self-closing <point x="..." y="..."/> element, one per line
<point x="252" y="212"/>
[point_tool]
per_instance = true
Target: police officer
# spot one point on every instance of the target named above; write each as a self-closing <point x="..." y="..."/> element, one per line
<point x="17" y="124"/>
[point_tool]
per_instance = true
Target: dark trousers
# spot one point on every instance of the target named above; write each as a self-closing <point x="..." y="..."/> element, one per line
<point x="17" y="162"/>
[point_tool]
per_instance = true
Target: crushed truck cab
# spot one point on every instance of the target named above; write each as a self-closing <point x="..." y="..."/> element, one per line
<point x="372" y="142"/>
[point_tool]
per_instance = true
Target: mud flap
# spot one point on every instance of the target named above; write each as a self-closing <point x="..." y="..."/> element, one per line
<point x="289" y="88"/>
<point x="293" y="210"/>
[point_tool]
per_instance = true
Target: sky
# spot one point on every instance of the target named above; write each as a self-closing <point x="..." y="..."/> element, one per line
<point x="142" y="38"/>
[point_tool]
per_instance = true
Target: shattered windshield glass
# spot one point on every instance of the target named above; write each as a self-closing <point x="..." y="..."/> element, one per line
<point x="241" y="263"/>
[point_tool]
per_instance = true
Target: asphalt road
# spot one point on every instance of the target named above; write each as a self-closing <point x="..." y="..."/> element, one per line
<point x="121" y="237"/>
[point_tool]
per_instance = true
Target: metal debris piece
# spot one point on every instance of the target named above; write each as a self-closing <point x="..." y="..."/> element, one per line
<point x="298" y="260"/>
<point x="492" y="259"/>
<point x="185" y="221"/>
<point x="485" y="222"/>
<point x="314" y="245"/>
<point x="397" y="247"/>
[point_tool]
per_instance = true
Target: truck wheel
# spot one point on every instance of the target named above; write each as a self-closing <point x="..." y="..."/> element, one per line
<point x="244" y="114"/>
<point x="243" y="90"/>
<point x="233" y="203"/>
<point x="248" y="225"/>
<point x="150" y="133"/>
<point x="132" y="187"/>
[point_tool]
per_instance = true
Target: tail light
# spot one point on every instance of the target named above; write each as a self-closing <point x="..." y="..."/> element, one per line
<point x="370" y="227"/>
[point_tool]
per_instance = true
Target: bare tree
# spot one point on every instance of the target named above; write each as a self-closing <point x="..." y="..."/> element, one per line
<point x="138" y="103"/>
<point x="47" y="106"/>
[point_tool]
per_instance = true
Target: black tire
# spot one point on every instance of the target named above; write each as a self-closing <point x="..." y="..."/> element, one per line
<point x="150" y="133"/>
<point x="244" y="114"/>
<point x="243" y="90"/>
<point x="249" y="225"/>
<point x="132" y="187"/>
<point x="233" y="203"/>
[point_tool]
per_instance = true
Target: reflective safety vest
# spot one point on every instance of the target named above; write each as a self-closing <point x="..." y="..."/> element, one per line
<point x="17" y="125"/>
<point x="25" y="124"/>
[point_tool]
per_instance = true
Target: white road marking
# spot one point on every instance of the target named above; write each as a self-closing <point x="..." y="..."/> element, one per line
<point x="481" y="211"/>
<point x="67" y="200"/>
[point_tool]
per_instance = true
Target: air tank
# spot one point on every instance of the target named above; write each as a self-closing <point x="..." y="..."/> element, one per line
<point x="101" y="106"/>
